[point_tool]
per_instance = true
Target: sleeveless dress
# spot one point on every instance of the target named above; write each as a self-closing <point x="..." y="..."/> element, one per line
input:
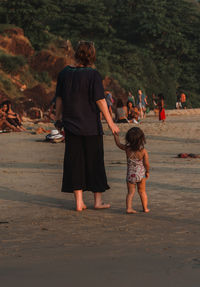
<point x="135" y="169"/>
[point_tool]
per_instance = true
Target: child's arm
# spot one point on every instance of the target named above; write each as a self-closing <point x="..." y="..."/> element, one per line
<point x="146" y="163"/>
<point x="117" y="141"/>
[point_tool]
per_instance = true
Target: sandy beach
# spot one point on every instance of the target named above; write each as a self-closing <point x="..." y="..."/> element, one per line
<point x="44" y="242"/>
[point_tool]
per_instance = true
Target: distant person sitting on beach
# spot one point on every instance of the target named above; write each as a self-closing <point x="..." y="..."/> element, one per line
<point x="4" y="124"/>
<point x="121" y="112"/>
<point x="133" y="113"/>
<point x="162" y="116"/>
<point x="12" y="117"/>
<point x="137" y="166"/>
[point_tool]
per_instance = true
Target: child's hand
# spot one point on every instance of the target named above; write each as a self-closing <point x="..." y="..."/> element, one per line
<point x="147" y="174"/>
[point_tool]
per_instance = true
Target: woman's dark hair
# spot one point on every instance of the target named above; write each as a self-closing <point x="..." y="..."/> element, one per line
<point x="119" y="103"/>
<point x="7" y="103"/>
<point x="85" y="53"/>
<point x="131" y="103"/>
<point x="135" y="139"/>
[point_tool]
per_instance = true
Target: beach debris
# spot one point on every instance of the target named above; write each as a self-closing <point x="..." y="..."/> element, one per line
<point x="55" y="136"/>
<point x="188" y="155"/>
<point x="44" y="229"/>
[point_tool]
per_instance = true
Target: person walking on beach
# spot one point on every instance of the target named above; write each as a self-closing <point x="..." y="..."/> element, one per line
<point x="137" y="166"/>
<point x="131" y="98"/>
<point x="162" y="116"/>
<point x="141" y="103"/>
<point x="79" y="100"/>
<point x="183" y="100"/>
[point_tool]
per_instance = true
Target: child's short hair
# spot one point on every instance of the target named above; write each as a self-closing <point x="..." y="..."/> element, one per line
<point x="135" y="139"/>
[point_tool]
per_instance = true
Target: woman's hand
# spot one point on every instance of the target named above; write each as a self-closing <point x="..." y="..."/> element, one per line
<point x="114" y="128"/>
<point x="147" y="174"/>
<point x="104" y="109"/>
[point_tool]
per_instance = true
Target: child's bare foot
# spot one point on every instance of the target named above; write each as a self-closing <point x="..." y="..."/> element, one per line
<point x="146" y="210"/>
<point x="129" y="211"/>
<point x="102" y="206"/>
<point x="84" y="206"/>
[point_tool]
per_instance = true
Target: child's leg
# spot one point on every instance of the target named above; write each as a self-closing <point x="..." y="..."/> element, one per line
<point x="129" y="198"/>
<point x="143" y="196"/>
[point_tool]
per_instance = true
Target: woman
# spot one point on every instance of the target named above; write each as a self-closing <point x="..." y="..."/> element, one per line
<point x="121" y="112"/>
<point x="162" y="116"/>
<point x="4" y="124"/>
<point x="79" y="100"/>
<point x="12" y="117"/>
<point x="133" y="113"/>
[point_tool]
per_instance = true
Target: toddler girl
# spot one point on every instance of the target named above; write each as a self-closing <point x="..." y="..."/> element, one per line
<point x="137" y="166"/>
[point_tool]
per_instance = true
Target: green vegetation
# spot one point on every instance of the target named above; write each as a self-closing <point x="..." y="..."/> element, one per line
<point x="7" y="86"/>
<point x="43" y="77"/>
<point x="152" y="45"/>
<point x="11" y="64"/>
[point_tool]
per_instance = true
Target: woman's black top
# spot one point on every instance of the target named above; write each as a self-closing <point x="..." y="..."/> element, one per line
<point x="80" y="88"/>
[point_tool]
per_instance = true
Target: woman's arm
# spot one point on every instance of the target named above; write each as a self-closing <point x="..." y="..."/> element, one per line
<point x="117" y="141"/>
<point x="104" y="109"/>
<point x="146" y="163"/>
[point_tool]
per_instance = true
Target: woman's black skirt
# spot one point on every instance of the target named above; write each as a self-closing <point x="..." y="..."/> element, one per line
<point x="84" y="164"/>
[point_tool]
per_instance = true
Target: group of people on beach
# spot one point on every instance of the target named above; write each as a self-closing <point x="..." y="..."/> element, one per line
<point x="79" y="101"/>
<point x="9" y="120"/>
<point x="135" y="108"/>
<point x="131" y="111"/>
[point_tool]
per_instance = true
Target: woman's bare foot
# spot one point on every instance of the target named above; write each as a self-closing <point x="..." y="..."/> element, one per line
<point x="102" y="206"/>
<point x="81" y="207"/>
<point x="129" y="211"/>
<point x="98" y="204"/>
<point x="146" y="210"/>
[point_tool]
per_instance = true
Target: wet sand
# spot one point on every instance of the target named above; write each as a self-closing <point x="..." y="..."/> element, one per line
<point x="44" y="242"/>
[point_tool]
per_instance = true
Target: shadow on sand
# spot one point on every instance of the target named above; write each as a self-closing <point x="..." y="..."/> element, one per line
<point x="19" y="196"/>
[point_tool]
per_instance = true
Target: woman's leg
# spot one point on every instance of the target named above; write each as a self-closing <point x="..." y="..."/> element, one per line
<point x="98" y="204"/>
<point x="95" y="173"/>
<point x="143" y="196"/>
<point x="5" y="123"/>
<point x="129" y="198"/>
<point x="78" y="194"/>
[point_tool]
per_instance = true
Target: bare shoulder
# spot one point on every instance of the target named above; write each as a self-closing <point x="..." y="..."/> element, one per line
<point x="142" y="153"/>
<point x="145" y="152"/>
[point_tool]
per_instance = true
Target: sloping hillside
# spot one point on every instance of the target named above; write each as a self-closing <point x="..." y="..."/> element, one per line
<point x="28" y="77"/>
